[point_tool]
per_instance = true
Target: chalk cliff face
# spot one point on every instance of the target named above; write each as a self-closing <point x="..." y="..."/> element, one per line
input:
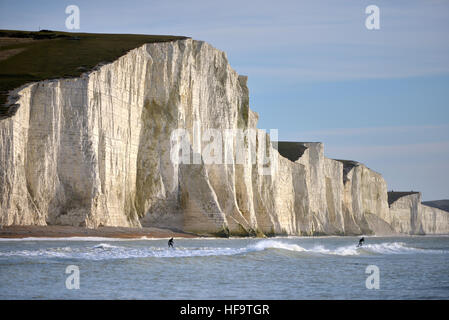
<point x="344" y="197"/>
<point x="410" y="216"/>
<point x="98" y="150"/>
<point x="365" y="203"/>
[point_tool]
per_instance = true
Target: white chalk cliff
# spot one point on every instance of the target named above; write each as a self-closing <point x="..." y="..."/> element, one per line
<point x="410" y="216"/>
<point x="96" y="151"/>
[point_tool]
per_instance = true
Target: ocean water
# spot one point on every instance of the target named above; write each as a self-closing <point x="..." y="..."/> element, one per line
<point x="273" y="268"/>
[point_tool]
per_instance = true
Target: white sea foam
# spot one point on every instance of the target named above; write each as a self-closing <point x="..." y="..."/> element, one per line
<point x="319" y="249"/>
<point x="104" y="246"/>
<point x="275" y="244"/>
<point x="395" y="248"/>
<point x="104" y="251"/>
<point x="351" y="250"/>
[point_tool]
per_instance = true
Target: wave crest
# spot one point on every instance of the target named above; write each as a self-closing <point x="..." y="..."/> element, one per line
<point x="104" y="251"/>
<point x="350" y="250"/>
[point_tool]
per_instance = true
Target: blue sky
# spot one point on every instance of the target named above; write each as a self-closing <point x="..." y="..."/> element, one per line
<point x="315" y="72"/>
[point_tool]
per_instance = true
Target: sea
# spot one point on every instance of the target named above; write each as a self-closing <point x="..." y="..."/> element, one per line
<point x="409" y="267"/>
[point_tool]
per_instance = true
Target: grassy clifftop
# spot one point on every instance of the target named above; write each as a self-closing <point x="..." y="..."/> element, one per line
<point x="27" y="56"/>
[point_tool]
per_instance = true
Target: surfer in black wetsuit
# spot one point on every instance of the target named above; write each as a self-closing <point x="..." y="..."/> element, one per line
<point x="361" y="241"/>
<point x="170" y="243"/>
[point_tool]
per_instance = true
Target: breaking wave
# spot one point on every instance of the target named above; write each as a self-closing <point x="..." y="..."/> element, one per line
<point x="103" y="251"/>
<point x="350" y="250"/>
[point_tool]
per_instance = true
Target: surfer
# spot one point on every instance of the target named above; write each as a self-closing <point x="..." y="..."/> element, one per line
<point x="361" y="241"/>
<point x="170" y="243"/>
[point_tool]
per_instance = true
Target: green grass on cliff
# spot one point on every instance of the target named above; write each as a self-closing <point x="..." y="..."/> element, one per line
<point x="27" y="56"/>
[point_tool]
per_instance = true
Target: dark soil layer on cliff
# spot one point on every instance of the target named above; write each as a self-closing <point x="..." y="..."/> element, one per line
<point x="291" y="150"/>
<point x="27" y="56"/>
<point x="106" y="232"/>
<point x="439" y="204"/>
<point x="395" y="195"/>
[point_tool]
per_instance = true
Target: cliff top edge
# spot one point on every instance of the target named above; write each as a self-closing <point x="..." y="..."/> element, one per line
<point x="30" y="56"/>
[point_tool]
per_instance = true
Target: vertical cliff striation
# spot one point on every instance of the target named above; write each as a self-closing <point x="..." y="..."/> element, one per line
<point x="342" y="197"/>
<point x="98" y="151"/>
<point x="410" y="216"/>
